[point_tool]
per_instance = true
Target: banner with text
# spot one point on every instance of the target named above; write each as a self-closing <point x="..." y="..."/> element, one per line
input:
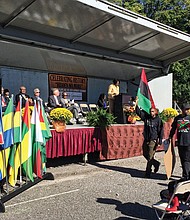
<point x="75" y="86"/>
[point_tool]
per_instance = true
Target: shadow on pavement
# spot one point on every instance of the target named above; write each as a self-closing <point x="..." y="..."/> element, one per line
<point x="129" y="209"/>
<point x="132" y="171"/>
<point x="61" y="161"/>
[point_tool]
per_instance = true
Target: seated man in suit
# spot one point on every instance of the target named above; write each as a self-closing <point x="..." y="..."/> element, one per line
<point x="54" y="101"/>
<point x="24" y="96"/>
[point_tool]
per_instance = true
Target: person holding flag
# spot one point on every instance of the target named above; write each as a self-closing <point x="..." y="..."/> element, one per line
<point x="153" y="126"/>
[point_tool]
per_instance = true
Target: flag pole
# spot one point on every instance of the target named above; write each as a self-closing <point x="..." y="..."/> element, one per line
<point x="43" y="163"/>
<point x="3" y="153"/>
<point x="20" y="98"/>
<point x="38" y="109"/>
<point x="13" y="134"/>
<point x="26" y="166"/>
<point x="5" y="167"/>
<point x="7" y="184"/>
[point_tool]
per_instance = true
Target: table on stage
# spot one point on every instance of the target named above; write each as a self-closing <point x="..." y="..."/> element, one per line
<point x="73" y="141"/>
<point x="118" y="141"/>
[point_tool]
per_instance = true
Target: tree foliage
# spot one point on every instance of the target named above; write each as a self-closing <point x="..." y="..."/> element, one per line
<point x="174" y="13"/>
<point x="181" y="85"/>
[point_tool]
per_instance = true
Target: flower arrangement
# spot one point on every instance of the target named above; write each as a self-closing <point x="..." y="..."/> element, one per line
<point x="61" y="114"/>
<point x="132" y="117"/>
<point x="168" y="113"/>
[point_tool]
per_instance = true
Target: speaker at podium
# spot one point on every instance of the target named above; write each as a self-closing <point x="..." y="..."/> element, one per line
<point x="121" y="100"/>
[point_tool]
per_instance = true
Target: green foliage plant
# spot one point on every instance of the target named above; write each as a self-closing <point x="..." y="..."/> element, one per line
<point x="100" y="118"/>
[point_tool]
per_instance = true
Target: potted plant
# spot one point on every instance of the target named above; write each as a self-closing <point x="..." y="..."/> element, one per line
<point x="168" y="114"/>
<point x="60" y="117"/>
<point x="100" y="118"/>
<point x="131" y="115"/>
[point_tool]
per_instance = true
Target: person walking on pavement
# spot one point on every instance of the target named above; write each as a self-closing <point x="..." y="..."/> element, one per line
<point x="181" y="123"/>
<point x="153" y="134"/>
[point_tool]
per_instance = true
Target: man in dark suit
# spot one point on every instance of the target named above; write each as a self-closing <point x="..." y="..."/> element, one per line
<point x="24" y="96"/>
<point x="54" y="101"/>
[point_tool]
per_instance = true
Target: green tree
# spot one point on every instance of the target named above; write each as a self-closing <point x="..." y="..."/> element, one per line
<point x="181" y="85"/>
<point x="174" y="13"/>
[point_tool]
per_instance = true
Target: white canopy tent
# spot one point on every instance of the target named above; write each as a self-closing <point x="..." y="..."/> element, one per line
<point x="86" y="37"/>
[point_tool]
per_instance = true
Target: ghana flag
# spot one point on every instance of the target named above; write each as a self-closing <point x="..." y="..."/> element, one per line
<point x="145" y="100"/>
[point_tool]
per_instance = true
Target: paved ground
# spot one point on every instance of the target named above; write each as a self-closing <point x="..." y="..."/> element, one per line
<point x="112" y="190"/>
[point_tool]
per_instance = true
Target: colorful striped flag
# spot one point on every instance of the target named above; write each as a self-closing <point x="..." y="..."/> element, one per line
<point x="17" y="139"/>
<point x="145" y="100"/>
<point x="46" y="133"/>
<point x="26" y="144"/>
<point x="37" y="140"/>
<point x="8" y="125"/>
<point x="24" y="149"/>
<point x="4" y="156"/>
<point x="8" y="138"/>
<point x="44" y="125"/>
<point x="18" y="123"/>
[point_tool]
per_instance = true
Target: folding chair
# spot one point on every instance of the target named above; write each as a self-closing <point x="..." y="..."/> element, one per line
<point x="183" y="211"/>
<point x="93" y="107"/>
<point x="84" y="109"/>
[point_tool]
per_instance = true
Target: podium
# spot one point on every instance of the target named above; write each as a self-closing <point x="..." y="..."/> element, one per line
<point x="121" y="100"/>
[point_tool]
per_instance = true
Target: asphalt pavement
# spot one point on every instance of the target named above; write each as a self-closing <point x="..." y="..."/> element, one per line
<point x="103" y="190"/>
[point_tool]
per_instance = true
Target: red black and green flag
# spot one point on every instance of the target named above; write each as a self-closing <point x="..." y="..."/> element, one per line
<point x="145" y="100"/>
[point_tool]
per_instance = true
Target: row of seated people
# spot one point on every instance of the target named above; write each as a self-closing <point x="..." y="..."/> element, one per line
<point x="55" y="100"/>
<point x="5" y="97"/>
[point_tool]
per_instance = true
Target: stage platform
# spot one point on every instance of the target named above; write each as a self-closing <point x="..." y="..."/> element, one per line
<point x="116" y="142"/>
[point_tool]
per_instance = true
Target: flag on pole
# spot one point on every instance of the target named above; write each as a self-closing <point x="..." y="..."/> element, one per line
<point x="26" y="154"/>
<point x="7" y="122"/>
<point x="18" y="122"/>
<point x="8" y="125"/>
<point x="44" y="125"/>
<point x="46" y="133"/>
<point x="4" y="156"/>
<point x="17" y="138"/>
<point x="24" y="148"/>
<point x="145" y="100"/>
<point x="37" y="140"/>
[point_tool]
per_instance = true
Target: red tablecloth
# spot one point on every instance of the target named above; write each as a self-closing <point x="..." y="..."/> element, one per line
<point x="73" y="142"/>
<point x="119" y="141"/>
<point x="123" y="141"/>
